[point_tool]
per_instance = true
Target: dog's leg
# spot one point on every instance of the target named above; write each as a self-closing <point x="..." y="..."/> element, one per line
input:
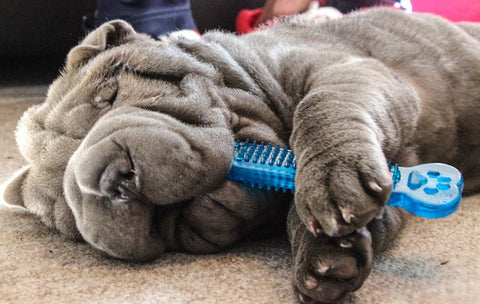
<point x="327" y="269"/>
<point x="358" y="115"/>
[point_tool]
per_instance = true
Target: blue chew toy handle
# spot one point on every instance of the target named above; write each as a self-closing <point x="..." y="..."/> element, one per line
<point x="428" y="190"/>
<point x="431" y="190"/>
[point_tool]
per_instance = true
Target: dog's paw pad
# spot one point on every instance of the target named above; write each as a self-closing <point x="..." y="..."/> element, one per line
<point x="328" y="269"/>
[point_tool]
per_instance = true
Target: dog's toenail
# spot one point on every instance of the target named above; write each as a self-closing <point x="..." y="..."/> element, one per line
<point x="322" y="268"/>
<point x="348" y="215"/>
<point x="335" y="227"/>
<point x="310" y="282"/>
<point x="375" y="186"/>
<point x="315" y="228"/>
<point x="301" y="298"/>
<point x="345" y="244"/>
<point x="380" y="191"/>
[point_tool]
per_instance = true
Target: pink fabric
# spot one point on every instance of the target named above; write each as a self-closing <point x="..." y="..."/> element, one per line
<point x="454" y="10"/>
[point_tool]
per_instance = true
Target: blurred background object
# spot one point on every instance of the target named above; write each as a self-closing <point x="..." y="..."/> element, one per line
<point x="35" y="36"/>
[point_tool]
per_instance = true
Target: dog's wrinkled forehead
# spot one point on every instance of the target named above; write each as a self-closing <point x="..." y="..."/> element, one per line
<point x="116" y="45"/>
<point x="115" y="66"/>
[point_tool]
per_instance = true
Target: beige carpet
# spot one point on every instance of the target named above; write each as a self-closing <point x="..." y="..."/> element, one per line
<point x="434" y="261"/>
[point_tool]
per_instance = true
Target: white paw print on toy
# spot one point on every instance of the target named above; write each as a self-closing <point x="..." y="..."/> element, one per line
<point x="429" y="190"/>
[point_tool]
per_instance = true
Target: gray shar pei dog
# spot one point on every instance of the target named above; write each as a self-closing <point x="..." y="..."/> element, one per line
<point x="130" y="150"/>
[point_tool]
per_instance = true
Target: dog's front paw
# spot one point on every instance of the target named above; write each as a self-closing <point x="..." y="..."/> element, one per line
<point x="340" y="195"/>
<point x="328" y="269"/>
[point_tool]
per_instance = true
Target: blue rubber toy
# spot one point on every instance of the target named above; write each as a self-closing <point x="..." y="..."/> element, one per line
<point x="431" y="190"/>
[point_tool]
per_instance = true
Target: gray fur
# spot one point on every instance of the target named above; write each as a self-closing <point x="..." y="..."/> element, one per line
<point x="131" y="147"/>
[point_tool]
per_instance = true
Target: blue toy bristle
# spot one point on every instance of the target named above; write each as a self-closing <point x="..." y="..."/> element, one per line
<point x="396" y="175"/>
<point x="263" y="166"/>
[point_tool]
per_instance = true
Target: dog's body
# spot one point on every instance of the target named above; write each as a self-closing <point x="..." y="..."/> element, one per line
<point x="131" y="148"/>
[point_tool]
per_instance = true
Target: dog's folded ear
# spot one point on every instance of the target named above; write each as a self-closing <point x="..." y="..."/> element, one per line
<point x="108" y="35"/>
<point x="13" y="191"/>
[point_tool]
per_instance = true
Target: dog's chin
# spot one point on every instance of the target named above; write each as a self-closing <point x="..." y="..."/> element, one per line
<point x="141" y="230"/>
<point x="124" y="230"/>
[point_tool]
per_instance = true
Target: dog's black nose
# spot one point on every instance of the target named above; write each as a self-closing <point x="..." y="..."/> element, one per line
<point x="119" y="180"/>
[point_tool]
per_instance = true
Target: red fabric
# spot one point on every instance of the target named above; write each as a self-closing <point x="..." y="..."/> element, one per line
<point x="454" y="10"/>
<point x="246" y="19"/>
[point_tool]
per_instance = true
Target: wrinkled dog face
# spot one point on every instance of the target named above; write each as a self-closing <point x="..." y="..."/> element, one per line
<point x="134" y="133"/>
<point x="123" y="171"/>
<point x="153" y="148"/>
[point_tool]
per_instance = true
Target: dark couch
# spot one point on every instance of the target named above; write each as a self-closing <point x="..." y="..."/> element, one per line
<point x="35" y="36"/>
<point x="37" y="28"/>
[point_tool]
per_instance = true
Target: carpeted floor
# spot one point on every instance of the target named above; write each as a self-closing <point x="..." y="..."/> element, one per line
<point x="434" y="261"/>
